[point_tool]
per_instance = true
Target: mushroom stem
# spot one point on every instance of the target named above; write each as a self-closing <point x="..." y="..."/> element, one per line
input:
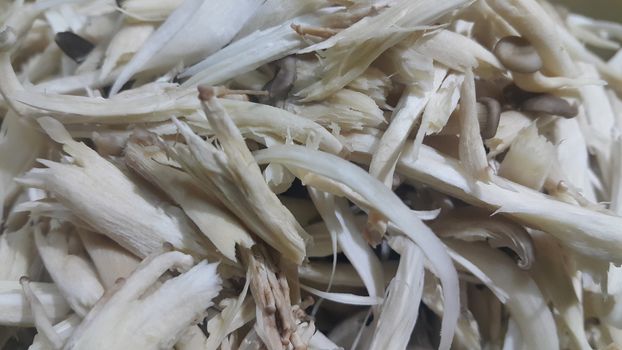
<point x="533" y="23"/>
<point x="321" y="32"/>
<point x="538" y="82"/>
<point x="42" y="320"/>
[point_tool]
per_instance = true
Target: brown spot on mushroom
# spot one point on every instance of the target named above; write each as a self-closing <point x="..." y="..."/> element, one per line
<point x="517" y="54"/>
<point x="488" y="114"/>
<point x="550" y="104"/>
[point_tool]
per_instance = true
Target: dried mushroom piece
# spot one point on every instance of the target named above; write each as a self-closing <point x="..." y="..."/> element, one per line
<point x="144" y="156"/>
<point x="344" y="163"/>
<point x="70" y="270"/>
<point x="149" y="319"/>
<point x="108" y="201"/>
<point x="233" y="177"/>
<point x="276" y="324"/>
<point x="17" y="307"/>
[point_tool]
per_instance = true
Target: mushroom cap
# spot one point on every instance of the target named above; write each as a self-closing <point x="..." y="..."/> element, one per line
<point x="550" y="104"/>
<point x="517" y="54"/>
<point x="73" y="45"/>
<point x="488" y="114"/>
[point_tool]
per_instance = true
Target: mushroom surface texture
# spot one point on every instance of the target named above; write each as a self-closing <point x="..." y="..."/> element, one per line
<point x="310" y="174"/>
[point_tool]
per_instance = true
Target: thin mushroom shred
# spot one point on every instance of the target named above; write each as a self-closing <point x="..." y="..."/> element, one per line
<point x="305" y="174"/>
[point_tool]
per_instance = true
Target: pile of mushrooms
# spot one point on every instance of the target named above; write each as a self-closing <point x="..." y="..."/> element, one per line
<point x="309" y="174"/>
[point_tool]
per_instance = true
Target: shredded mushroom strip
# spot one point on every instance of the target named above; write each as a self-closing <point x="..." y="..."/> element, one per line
<point x="310" y="174"/>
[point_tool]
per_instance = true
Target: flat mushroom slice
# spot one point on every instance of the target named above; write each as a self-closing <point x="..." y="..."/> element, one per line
<point x="75" y="277"/>
<point x="142" y="312"/>
<point x="110" y="260"/>
<point x="109" y="201"/>
<point x="472" y="224"/>
<point x="16" y="305"/>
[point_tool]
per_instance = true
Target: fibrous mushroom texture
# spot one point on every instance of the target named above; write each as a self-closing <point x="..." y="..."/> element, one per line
<point x="310" y="174"/>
